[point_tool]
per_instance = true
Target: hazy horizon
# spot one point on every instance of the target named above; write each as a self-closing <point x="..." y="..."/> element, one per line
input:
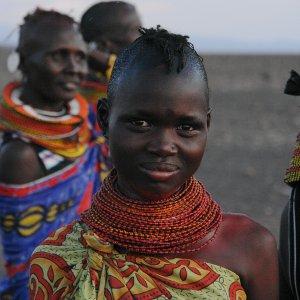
<point x="258" y="27"/>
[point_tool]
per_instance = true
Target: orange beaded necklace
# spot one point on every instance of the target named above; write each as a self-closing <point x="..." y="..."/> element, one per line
<point x="176" y="224"/>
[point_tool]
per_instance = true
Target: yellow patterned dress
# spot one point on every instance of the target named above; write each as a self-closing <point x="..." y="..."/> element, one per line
<point x="73" y="263"/>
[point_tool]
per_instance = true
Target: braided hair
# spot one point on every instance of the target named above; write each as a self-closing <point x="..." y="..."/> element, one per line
<point x="154" y="47"/>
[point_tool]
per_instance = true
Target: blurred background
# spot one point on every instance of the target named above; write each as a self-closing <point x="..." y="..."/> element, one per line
<point x="249" y="47"/>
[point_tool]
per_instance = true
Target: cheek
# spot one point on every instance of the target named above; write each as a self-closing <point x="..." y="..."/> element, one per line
<point x="124" y="147"/>
<point x="133" y="36"/>
<point x="52" y="70"/>
<point x="83" y="68"/>
<point x="44" y="74"/>
<point x="193" y="153"/>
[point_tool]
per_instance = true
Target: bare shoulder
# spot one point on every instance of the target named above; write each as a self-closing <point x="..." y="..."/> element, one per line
<point x="256" y="255"/>
<point x="19" y="163"/>
<point x="244" y="229"/>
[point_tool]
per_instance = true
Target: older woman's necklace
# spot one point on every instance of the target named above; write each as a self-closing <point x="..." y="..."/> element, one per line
<point x="173" y="225"/>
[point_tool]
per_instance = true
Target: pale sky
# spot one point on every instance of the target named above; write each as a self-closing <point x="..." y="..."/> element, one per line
<point x="213" y="25"/>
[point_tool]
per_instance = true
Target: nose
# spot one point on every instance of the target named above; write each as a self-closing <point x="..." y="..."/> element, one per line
<point x="75" y="65"/>
<point x="163" y="143"/>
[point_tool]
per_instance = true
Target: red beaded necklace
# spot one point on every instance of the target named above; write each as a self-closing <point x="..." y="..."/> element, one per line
<point x="176" y="224"/>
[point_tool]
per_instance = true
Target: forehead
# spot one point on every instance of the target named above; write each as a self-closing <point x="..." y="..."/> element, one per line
<point x="129" y="18"/>
<point x="157" y="91"/>
<point x="122" y="22"/>
<point x="67" y="38"/>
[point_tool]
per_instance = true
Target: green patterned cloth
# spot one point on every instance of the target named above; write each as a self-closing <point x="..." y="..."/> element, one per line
<point x="74" y="263"/>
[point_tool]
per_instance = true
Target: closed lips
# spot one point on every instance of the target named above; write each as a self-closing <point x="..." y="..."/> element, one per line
<point x="158" y="166"/>
<point x="70" y="85"/>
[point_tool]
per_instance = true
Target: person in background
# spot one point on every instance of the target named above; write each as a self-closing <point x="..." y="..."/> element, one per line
<point x="290" y="220"/>
<point x="107" y="27"/>
<point x="48" y="161"/>
<point x="153" y="231"/>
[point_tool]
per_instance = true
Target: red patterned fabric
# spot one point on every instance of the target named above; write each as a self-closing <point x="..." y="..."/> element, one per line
<point x="74" y="263"/>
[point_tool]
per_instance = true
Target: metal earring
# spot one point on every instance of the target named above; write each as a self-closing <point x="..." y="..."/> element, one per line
<point x="13" y="61"/>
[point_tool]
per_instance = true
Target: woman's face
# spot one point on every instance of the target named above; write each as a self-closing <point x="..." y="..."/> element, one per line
<point x="57" y="68"/>
<point x="129" y="25"/>
<point x="123" y="32"/>
<point x="157" y="131"/>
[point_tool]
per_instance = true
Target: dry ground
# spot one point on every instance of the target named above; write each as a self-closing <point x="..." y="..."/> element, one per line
<point x="252" y="135"/>
<point x="249" y="146"/>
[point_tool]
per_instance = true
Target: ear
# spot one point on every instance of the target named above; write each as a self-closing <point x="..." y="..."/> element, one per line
<point x="103" y="110"/>
<point x="208" y="118"/>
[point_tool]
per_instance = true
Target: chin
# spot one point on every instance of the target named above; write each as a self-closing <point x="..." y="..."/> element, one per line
<point x="66" y="96"/>
<point x="158" y="190"/>
<point x="59" y="96"/>
<point x="150" y="196"/>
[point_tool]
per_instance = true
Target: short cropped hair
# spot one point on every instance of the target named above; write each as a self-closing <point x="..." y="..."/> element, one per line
<point x="102" y="19"/>
<point x="158" y="46"/>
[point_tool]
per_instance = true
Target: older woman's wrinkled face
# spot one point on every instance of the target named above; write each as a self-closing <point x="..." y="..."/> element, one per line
<point x="57" y="68"/>
<point x="157" y="131"/>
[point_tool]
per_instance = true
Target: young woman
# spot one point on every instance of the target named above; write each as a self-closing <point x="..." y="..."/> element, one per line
<point x="153" y="231"/>
<point x="48" y="163"/>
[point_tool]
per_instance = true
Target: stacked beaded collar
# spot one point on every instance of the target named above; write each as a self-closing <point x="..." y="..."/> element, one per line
<point x="67" y="135"/>
<point x="174" y="225"/>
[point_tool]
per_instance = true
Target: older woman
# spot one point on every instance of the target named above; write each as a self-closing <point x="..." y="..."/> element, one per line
<point x="153" y="231"/>
<point x="47" y="158"/>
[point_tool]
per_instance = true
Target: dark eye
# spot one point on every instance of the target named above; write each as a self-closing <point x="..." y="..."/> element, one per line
<point x="185" y="127"/>
<point x="80" y="57"/>
<point x="140" y="123"/>
<point x="59" y="55"/>
<point x="188" y="130"/>
<point x="137" y="125"/>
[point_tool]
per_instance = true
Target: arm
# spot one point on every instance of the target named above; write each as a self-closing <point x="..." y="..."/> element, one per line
<point x="19" y="163"/>
<point x="260" y="276"/>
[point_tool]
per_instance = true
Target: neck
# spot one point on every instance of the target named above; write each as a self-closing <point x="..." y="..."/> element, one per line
<point x="145" y="197"/>
<point x="179" y="224"/>
<point x="33" y="98"/>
